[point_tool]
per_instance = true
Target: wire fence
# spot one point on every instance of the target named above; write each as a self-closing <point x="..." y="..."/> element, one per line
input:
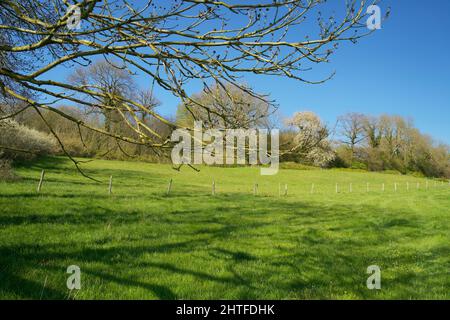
<point x="285" y="190"/>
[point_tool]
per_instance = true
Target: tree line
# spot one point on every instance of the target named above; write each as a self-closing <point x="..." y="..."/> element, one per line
<point x="170" y="44"/>
<point x="389" y="142"/>
<point x="375" y="143"/>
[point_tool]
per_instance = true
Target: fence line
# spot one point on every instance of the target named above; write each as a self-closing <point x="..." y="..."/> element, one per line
<point x="368" y="188"/>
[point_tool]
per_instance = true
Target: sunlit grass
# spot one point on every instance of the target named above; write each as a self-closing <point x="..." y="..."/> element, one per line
<point x="141" y="243"/>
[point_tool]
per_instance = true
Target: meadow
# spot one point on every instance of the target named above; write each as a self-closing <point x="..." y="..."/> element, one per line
<point x="140" y="243"/>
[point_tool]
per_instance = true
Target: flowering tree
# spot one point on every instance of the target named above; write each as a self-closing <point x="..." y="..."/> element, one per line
<point x="172" y="43"/>
<point x="311" y="138"/>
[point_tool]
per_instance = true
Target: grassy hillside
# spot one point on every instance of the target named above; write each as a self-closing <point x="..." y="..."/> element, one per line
<point x="140" y="243"/>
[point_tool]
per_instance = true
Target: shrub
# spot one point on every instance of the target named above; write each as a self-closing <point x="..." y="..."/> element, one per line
<point x="359" y="165"/>
<point x="21" y="142"/>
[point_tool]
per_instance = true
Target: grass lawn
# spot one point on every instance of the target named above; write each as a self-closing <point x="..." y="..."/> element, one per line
<point x="141" y="244"/>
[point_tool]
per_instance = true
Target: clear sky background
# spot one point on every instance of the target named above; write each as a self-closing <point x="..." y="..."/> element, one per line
<point x="403" y="69"/>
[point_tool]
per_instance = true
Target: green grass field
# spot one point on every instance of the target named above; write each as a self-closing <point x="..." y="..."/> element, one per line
<point x="141" y="244"/>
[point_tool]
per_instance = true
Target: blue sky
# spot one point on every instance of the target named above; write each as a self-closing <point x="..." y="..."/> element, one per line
<point x="404" y="69"/>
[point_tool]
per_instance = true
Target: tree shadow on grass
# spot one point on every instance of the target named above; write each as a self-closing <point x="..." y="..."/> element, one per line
<point x="265" y="248"/>
<point x="45" y="163"/>
<point x="14" y="286"/>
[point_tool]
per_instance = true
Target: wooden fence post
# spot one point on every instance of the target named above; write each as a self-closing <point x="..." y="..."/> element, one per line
<point x="382" y="187"/>
<point x="213" y="191"/>
<point x="337" y="188"/>
<point x="255" y="189"/>
<point x="351" y="187"/>
<point x="285" y="190"/>
<point x="41" y="181"/>
<point x="169" y="187"/>
<point x="110" y="185"/>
